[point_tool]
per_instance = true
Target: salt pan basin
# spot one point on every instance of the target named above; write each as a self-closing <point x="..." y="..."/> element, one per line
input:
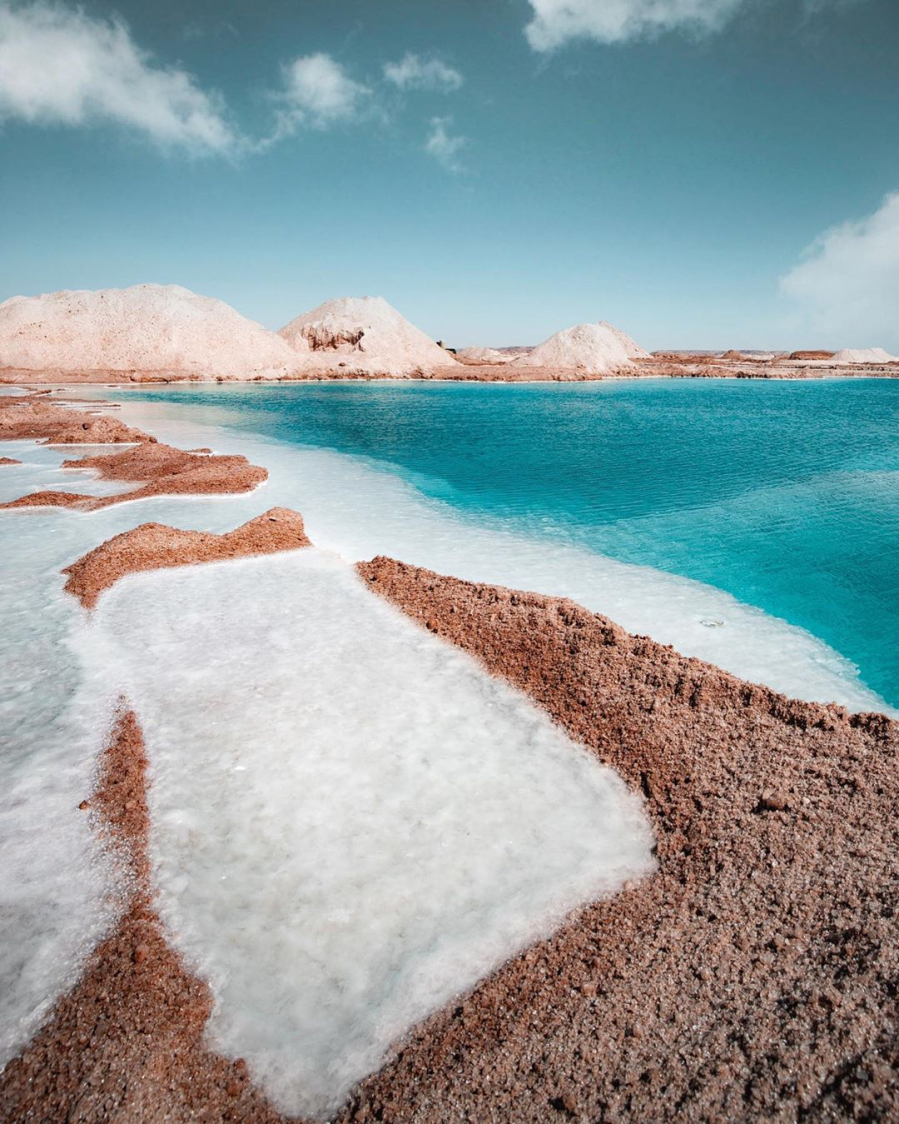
<point x="351" y="821"/>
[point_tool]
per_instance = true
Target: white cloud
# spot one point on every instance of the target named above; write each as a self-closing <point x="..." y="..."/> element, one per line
<point x="847" y="286"/>
<point x="60" y="66"/>
<point x="318" y="92"/>
<point x="413" y="72"/>
<point x="556" y="22"/>
<point x="443" y="145"/>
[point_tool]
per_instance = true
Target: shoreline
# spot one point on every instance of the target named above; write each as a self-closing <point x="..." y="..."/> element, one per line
<point x="360" y="507"/>
<point x="687" y="367"/>
<point x="762" y="805"/>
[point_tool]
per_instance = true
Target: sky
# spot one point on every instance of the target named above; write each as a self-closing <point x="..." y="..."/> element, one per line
<point x="700" y="173"/>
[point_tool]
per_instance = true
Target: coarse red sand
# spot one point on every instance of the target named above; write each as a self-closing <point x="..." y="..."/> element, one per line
<point x="154" y="545"/>
<point x="754" y="977"/>
<point x="161" y="471"/>
<point x="37" y="417"/>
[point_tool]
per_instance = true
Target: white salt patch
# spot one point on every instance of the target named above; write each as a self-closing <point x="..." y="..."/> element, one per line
<point x="362" y="334"/>
<point x="359" y="510"/>
<point x="352" y="822"/>
<point x="53" y="892"/>
<point x="40" y="470"/>
<point x="59" y="892"/>
<point x="144" y="328"/>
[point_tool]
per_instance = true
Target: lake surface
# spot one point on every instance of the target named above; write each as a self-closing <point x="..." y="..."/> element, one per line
<point x="783" y="494"/>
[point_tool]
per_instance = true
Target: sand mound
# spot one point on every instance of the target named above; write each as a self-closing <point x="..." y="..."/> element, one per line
<point x="362" y="335"/>
<point x="797" y="355"/>
<point x="597" y="348"/>
<point x="863" y="355"/>
<point x="147" y="328"/>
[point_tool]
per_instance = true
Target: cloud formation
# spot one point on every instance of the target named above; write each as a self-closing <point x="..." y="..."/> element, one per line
<point x="847" y="286"/>
<point x="443" y="145"/>
<point x="61" y="66"/>
<point x="557" y="22"/>
<point x="413" y="72"/>
<point x="318" y="92"/>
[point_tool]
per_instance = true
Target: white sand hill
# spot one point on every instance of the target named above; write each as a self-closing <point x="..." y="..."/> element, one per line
<point x="144" y="328"/>
<point x="596" y="348"/>
<point x="863" y="355"/>
<point x="362" y="334"/>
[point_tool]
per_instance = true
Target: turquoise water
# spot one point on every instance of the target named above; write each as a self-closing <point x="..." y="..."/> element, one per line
<point x="784" y="494"/>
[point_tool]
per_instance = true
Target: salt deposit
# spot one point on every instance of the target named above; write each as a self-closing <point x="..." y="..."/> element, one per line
<point x="362" y="335"/>
<point x="356" y="509"/>
<point x="351" y="821"/>
<point x="633" y="349"/>
<point x="594" y="348"/>
<point x="147" y="328"/>
<point x="863" y="355"/>
<point x="484" y="355"/>
<point x="53" y="903"/>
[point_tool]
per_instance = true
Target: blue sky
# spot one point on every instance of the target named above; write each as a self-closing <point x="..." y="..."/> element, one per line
<point x="705" y="173"/>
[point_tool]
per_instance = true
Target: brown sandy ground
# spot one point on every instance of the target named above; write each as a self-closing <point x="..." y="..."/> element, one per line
<point x="154" y="545"/>
<point x="160" y="470"/>
<point x="39" y="417"/>
<point x="755" y="976"/>
<point x="126" y="1044"/>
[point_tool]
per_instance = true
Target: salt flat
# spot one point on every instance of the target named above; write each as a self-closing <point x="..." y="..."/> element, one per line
<point x="351" y="821"/>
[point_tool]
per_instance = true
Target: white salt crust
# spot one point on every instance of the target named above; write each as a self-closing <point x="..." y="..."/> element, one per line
<point x="53" y="888"/>
<point x="351" y="821"/>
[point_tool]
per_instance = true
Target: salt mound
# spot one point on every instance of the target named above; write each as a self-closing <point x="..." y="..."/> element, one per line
<point x="595" y="348"/>
<point x="863" y="355"/>
<point x="633" y="349"/>
<point x="365" y="335"/>
<point x="161" y="328"/>
<point x="484" y="355"/>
